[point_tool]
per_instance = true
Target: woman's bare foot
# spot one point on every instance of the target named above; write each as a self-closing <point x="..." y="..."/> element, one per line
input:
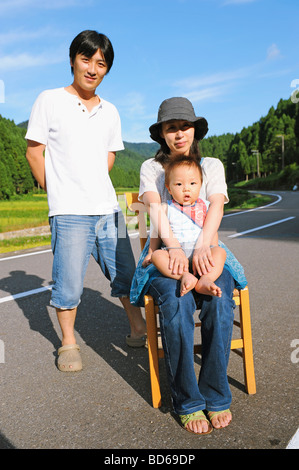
<point x="188" y="282"/>
<point x="220" y="419"/>
<point x="196" y="422"/>
<point x="207" y="287"/>
<point x="199" y="426"/>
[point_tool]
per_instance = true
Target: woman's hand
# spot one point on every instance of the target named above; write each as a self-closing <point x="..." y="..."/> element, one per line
<point x="178" y="262"/>
<point x="202" y="261"/>
<point x="202" y="258"/>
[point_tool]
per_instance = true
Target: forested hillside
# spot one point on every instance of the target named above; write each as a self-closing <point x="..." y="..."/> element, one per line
<point x="257" y="149"/>
<point x="15" y="174"/>
<point x="264" y="148"/>
<point x="126" y="169"/>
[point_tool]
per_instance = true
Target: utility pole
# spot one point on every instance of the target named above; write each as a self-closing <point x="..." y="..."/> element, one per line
<point x="282" y="149"/>
<point x="256" y="152"/>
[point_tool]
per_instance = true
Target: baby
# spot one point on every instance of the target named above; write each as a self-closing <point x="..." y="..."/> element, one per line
<point x="186" y="213"/>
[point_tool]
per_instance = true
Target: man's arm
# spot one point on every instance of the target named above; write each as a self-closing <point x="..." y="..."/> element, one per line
<point x="111" y="160"/>
<point x="36" y="160"/>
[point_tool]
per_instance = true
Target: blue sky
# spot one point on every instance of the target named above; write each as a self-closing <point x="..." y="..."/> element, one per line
<point x="233" y="59"/>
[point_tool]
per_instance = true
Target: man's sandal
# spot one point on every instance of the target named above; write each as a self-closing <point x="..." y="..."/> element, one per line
<point x="197" y="416"/>
<point x="213" y="414"/>
<point x="69" y="359"/>
<point x="136" y="342"/>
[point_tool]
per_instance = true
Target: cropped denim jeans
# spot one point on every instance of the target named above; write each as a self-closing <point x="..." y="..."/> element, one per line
<point x="74" y="239"/>
<point x="211" y="391"/>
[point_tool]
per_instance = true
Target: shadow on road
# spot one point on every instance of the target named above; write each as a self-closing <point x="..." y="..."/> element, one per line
<point x="101" y="324"/>
<point x="5" y="443"/>
<point x="33" y="307"/>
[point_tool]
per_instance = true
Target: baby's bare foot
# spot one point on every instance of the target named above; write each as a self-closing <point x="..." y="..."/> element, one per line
<point x="207" y="287"/>
<point x="188" y="282"/>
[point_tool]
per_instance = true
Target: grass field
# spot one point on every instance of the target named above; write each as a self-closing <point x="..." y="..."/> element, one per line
<point x="32" y="211"/>
<point x="23" y="212"/>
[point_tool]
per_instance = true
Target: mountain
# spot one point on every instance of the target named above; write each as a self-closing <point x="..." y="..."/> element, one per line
<point x="126" y="169"/>
<point x="259" y="143"/>
<point x="143" y="149"/>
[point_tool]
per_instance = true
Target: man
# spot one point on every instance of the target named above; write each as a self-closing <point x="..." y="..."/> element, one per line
<point x="80" y="134"/>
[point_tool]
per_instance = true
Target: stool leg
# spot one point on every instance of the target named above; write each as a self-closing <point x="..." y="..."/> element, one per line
<point x="247" y="340"/>
<point x="152" y="343"/>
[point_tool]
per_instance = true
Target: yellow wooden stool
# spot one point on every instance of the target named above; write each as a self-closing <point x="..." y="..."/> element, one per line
<point x="242" y="346"/>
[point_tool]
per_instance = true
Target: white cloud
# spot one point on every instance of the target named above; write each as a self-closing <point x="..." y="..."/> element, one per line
<point x="211" y="86"/>
<point x="220" y="77"/>
<point x="20" y="36"/>
<point x="21" y="61"/>
<point x="222" y="83"/>
<point x="205" y="94"/>
<point x="132" y="104"/>
<point x="273" y="52"/>
<point x="10" y="6"/>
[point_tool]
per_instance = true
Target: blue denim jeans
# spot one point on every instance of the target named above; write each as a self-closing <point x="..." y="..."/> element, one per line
<point x="211" y="392"/>
<point x="74" y="239"/>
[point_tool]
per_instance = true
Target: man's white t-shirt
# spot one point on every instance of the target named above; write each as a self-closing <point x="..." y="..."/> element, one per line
<point x="152" y="178"/>
<point x="76" y="157"/>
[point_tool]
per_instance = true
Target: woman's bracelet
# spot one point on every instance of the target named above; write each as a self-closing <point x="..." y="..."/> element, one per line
<point x="173" y="248"/>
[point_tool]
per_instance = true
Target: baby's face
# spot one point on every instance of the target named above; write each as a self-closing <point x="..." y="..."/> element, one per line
<point x="184" y="184"/>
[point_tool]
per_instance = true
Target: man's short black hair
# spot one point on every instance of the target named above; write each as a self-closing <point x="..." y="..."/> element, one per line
<point x="88" y="42"/>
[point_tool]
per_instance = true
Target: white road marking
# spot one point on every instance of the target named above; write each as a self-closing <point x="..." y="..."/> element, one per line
<point x="260" y="227"/>
<point x="294" y="442"/>
<point x="279" y="198"/>
<point x="8" y="298"/>
<point x="133" y="235"/>
<point x="25" y="254"/>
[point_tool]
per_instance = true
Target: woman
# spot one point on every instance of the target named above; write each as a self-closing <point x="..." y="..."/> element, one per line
<point x="178" y="131"/>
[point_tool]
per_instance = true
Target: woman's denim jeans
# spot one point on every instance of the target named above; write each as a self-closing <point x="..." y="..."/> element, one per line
<point x="211" y="392"/>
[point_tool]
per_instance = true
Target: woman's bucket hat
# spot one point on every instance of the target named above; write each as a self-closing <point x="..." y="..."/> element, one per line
<point x="180" y="109"/>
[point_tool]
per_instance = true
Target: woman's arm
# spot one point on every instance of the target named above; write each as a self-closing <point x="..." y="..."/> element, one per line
<point x="178" y="263"/>
<point x="202" y="257"/>
<point x="154" y="244"/>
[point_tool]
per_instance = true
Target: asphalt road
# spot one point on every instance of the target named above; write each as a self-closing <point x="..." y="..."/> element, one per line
<point x="108" y="404"/>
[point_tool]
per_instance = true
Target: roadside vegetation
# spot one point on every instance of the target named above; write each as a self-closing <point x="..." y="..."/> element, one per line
<point x="263" y="156"/>
<point x="31" y="210"/>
